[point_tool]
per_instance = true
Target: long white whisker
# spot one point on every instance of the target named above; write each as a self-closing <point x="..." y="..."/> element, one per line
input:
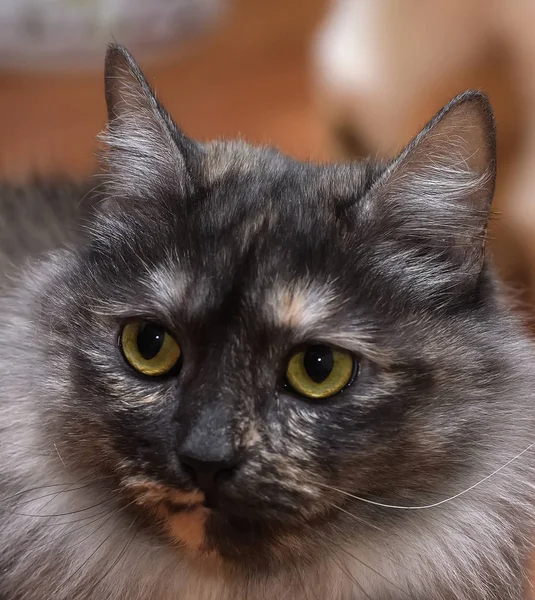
<point x="363" y="521"/>
<point x="434" y="505"/>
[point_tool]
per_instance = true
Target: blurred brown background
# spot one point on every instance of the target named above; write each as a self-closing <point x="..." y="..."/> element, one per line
<point x="247" y="76"/>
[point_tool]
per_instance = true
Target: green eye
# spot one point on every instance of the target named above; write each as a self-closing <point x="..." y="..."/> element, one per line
<point x="320" y="371"/>
<point x="149" y="349"/>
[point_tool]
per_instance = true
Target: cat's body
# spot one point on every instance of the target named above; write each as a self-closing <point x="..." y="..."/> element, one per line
<point x="245" y="254"/>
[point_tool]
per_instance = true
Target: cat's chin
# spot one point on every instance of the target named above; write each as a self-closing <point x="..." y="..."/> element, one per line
<point x="209" y="531"/>
<point x="213" y="537"/>
<point x="189" y="528"/>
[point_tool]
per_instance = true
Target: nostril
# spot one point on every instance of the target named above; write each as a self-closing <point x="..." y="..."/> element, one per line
<point x="190" y="471"/>
<point x="223" y="475"/>
<point x="207" y="474"/>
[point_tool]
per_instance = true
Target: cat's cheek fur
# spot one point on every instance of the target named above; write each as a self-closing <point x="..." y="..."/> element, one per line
<point x="415" y="482"/>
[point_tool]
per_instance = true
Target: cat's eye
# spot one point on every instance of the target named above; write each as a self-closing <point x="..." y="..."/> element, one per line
<point x="320" y="371"/>
<point x="149" y="348"/>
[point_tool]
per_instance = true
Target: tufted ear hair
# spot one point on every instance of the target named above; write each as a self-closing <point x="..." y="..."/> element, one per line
<point x="436" y="195"/>
<point x="146" y="153"/>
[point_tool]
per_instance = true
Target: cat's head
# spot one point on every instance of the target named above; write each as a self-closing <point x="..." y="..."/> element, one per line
<point x="244" y="342"/>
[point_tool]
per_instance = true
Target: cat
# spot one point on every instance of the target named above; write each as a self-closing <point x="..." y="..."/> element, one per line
<point x="230" y="375"/>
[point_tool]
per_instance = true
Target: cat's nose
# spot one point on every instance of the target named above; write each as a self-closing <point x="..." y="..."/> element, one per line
<point x="207" y="446"/>
<point x="207" y="473"/>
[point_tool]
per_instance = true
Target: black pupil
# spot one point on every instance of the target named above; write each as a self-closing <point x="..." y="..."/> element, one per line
<point x="150" y="340"/>
<point x="319" y="362"/>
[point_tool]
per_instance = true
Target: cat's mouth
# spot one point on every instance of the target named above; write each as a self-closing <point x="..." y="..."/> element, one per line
<point x="183" y="514"/>
<point x="149" y="493"/>
<point x="184" y="507"/>
<point x="199" y="526"/>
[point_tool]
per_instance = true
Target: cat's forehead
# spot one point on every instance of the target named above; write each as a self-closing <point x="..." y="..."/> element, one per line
<point x="264" y="237"/>
<point x="264" y="169"/>
<point x="277" y="300"/>
<point x="264" y="233"/>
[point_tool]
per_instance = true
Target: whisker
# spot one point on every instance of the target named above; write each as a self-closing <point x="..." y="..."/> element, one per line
<point x="60" y="457"/>
<point x="93" y="520"/>
<point x="374" y="571"/>
<point x="117" y="560"/>
<point x="52" y="485"/>
<point x="434" y="505"/>
<point x="365" y="544"/>
<point x="351" y="577"/>
<point x="360" y="520"/>
<point x="54" y="495"/>
<point x="34" y="489"/>
<point x="301" y="581"/>
<point x="74" y="521"/>
<point x="104" y="520"/>
<point x="36" y="451"/>
<point x="64" y="514"/>
<point x="111" y="515"/>
<point x="88" y="559"/>
<point x="391" y="534"/>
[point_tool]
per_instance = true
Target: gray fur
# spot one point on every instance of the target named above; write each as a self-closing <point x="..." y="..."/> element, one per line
<point x="416" y="482"/>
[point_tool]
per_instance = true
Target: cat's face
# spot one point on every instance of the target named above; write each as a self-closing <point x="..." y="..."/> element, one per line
<point x="244" y="339"/>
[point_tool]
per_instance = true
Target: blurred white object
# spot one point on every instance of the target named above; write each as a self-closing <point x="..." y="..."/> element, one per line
<point x="67" y="33"/>
<point x="380" y="65"/>
<point x="374" y="58"/>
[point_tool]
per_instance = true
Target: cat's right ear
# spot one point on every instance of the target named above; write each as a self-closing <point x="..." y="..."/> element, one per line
<point x="145" y="152"/>
<point x="431" y="206"/>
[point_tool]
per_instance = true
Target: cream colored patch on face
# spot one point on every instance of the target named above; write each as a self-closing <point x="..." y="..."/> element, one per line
<point x="189" y="528"/>
<point x="152" y="494"/>
<point x="186" y="527"/>
<point x="299" y="306"/>
<point x="121" y="390"/>
<point x="169" y="287"/>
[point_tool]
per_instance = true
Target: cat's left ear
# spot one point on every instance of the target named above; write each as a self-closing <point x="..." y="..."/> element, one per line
<point x="435" y="197"/>
<point x="146" y="154"/>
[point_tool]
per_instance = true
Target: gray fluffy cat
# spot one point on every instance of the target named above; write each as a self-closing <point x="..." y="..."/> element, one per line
<point x="234" y="376"/>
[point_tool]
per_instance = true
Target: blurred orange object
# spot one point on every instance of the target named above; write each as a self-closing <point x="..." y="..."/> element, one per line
<point x="247" y="76"/>
<point x="383" y="67"/>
